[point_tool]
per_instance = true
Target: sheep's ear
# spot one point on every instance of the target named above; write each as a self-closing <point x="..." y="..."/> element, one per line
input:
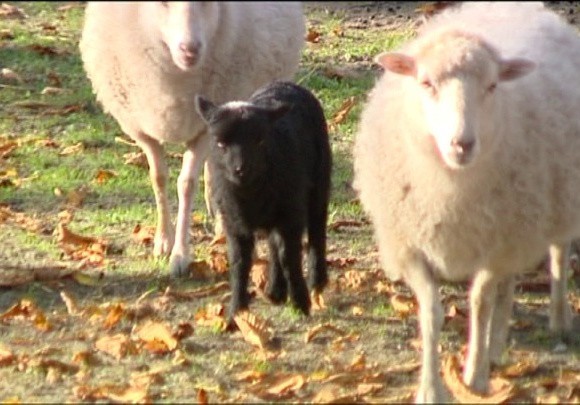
<point x="204" y="107"/>
<point x="397" y="63"/>
<point x="510" y="69"/>
<point x="278" y="111"/>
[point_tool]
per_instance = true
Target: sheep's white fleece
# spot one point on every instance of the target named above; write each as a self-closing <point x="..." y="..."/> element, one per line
<point x="136" y="81"/>
<point x="521" y="194"/>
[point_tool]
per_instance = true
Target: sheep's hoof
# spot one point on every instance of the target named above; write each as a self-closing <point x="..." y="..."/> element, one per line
<point x="179" y="267"/>
<point x="434" y="394"/>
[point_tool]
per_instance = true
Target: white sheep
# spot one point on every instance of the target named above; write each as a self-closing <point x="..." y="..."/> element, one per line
<point x="148" y="60"/>
<point x="466" y="160"/>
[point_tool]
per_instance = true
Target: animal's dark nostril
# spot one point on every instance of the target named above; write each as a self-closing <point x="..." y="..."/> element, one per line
<point x="239" y="171"/>
<point x="189" y="49"/>
<point x="463" y="146"/>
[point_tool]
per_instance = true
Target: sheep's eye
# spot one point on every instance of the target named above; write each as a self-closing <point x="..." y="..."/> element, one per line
<point x="221" y="145"/>
<point x="491" y="87"/>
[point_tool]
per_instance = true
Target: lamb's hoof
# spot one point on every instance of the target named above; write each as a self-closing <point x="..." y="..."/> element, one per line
<point x="179" y="267"/>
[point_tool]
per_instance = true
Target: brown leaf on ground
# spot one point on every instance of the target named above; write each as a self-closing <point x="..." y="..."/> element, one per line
<point x="501" y="390"/>
<point x="11" y="12"/>
<point x="519" y="369"/>
<point x="202" y="396"/>
<point x="313" y="36"/>
<point x="249" y="376"/>
<point x="218" y="240"/>
<point x="317" y="301"/>
<point x="75" y="198"/>
<point x="218" y="262"/>
<point x="6" y="147"/>
<point x="323" y="327"/>
<point x="143" y="234"/>
<point x="117" y="346"/>
<point x="254" y="329"/>
<point x="9" y="74"/>
<point x="336" y="225"/>
<point x="114" y="315"/>
<point x="212" y="315"/>
<point x="6" y="34"/>
<point x="72" y="149"/>
<point x="340" y="72"/>
<point x="156" y="332"/>
<point x="403" y="305"/>
<point x="340" y="116"/>
<point x="183" y="330"/>
<point x="103" y="176"/>
<point x="6" y="356"/>
<point x="46" y="50"/>
<point x="341" y="262"/>
<point x="136" y="159"/>
<point x="287" y="383"/>
<point x="200" y="270"/>
<point x="26" y="309"/>
<point x="123" y="394"/>
<point x="259" y="273"/>
<point x="199" y="292"/>
<point x="70" y="303"/>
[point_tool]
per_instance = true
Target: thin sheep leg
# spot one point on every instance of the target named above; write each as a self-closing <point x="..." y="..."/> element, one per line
<point x="482" y="299"/>
<point x="421" y="281"/>
<point x="193" y="160"/>
<point x="502" y="312"/>
<point x="212" y="209"/>
<point x="560" y="312"/>
<point x="164" y="236"/>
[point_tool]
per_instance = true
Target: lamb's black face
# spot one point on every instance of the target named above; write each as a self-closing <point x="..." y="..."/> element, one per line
<point x="239" y="143"/>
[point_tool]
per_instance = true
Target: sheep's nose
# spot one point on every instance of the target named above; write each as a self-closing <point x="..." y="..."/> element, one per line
<point x="463" y="146"/>
<point x="239" y="171"/>
<point x="190" y="49"/>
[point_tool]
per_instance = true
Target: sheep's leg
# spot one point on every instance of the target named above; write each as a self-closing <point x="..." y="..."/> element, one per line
<point x="193" y="160"/>
<point x="289" y="249"/>
<point x="277" y="290"/>
<point x="240" y="248"/>
<point x="421" y="281"/>
<point x="560" y="312"/>
<point x="212" y="210"/>
<point x="317" y="217"/>
<point x="164" y="235"/>
<point x="500" y="319"/>
<point x="482" y="300"/>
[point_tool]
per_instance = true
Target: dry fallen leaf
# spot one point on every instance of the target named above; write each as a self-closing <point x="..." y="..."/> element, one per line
<point x="71" y="305"/>
<point x="259" y="273"/>
<point x="103" y="176"/>
<point x="9" y="74"/>
<point x="520" y="369"/>
<point x="201" y="396"/>
<point x="137" y="159"/>
<point x="317" y="301"/>
<point x="342" y="113"/>
<point x="254" y="329"/>
<point x="153" y="332"/>
<point x="6" y="356"/>
<point x="403" y="305"/>
<point x="218" y="262"/>
<point x="503" y="391"/>
<point x="143" y="234"/>
<point x="287" y="383"/>
<point x="114" y="315"/>
<point x="313" y="36"/>
<point x="117" y="346"/>
<point x="318" y="329"/>
<point x="70" y="150"/>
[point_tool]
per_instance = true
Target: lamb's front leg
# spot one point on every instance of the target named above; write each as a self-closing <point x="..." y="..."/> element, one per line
<point x="482" y="301"/>
<point x="240" y="249"/>
<point x="289" y="250"/>
<point x="155" y="154"/>
<point x="560" y="311"/>
<point x="420" y="279"/>
<point x="193" y="161"/>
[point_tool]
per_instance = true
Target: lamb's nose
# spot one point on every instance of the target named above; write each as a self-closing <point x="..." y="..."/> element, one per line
<point x="239" y="171"/>
<point x="463" y="146"/>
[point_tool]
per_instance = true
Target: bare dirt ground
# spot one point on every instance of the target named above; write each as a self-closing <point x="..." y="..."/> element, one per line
<point x="57" y="351"/>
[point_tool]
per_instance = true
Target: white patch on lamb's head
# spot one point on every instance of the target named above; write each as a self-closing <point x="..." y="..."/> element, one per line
<point x="235" y="105"/>
<point x="186" y="30"/>
<point x="455" y="75"/>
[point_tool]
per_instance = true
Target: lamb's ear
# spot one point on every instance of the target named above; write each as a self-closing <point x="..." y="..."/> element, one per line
<point x="204" y="107"/>
<point x="397" y="63"/>
<point x="510" y="69"/>
<point x="278" y="110"/>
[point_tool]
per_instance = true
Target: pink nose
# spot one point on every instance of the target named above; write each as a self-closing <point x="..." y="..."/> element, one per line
<point x="190" y="49"/>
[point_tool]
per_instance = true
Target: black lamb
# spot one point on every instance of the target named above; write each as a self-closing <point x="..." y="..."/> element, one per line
<point x="271" y="161"/>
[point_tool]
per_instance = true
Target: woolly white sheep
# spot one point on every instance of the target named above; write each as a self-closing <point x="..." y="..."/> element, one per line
<point x="147" y="61"/>
<point x="467" y="162"/>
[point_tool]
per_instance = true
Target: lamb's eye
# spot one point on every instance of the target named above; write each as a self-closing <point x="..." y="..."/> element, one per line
<point x="426" y="84"/>
<point x="491" y="87"/>
<point x="221" y="145"/>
